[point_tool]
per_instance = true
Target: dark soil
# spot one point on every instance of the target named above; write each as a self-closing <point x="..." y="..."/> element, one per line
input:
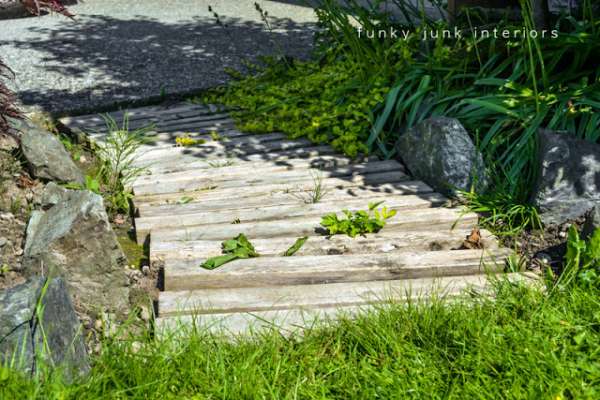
<point x="544" y="248"/>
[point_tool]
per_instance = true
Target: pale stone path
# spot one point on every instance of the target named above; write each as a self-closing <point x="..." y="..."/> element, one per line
<point x="192" y="198"/>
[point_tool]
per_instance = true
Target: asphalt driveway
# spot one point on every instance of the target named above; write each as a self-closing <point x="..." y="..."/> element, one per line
<point x="120" y="51"/>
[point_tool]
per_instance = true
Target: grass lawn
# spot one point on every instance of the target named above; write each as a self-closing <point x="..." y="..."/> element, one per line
<point x="524" y="344"/>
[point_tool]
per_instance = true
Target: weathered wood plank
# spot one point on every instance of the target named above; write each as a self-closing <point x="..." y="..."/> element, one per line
<point x="144" y="113"/>
<point x="231" y="167"/>
<point x="373" y="182"/>
<point x="310" y="270"/>
<point x="154" y="151"/>
<point x="264" y="213"/>
<point x="383" y="182"/>
<point x="175" y="162"/>
<point x="191" y="119"/>
<point x="425" y="219"/>
<point x="298" y="320"/>
<point x="210" y="122"/>
<point x="193" y="253"/>
<point x="315" y="295"/>
<point x="300" y="194"/>
<point x="241" y="179"/>
<point x="225" y="164"/>
<point x="160" y="154"/>
<point x="285" y="322"/>
<point x="164" y="138"/>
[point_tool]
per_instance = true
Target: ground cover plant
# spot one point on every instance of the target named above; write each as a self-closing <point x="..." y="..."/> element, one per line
<point x="359" y="222"/>
<point x="360" y="94"/>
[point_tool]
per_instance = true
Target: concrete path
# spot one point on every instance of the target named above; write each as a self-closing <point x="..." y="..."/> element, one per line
<point x="117" y="51"/>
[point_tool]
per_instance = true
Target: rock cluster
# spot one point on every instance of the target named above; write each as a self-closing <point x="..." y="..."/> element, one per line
<point x="568" y="179"/>
<point x="440" y="152"/>
<point x="46" y="156"/>
<point x="66" y="258"/>
<point x="74" y="239"/>
<point x="38" y="324"/>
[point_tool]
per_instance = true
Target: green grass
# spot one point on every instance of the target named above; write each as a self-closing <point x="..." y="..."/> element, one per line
<point x="523" y="345"/>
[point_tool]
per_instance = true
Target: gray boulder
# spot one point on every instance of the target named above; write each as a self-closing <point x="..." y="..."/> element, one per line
<point x="29" y="336"/>
<point x="568" y="182"/>
<point x="440" y="152"/>
<point x="73" y="239"/>
<point x="592" y="223"/>
<point x="46" y="156"/>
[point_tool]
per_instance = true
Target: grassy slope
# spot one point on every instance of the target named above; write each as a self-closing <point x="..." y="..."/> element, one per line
<point x="525" y="345"/>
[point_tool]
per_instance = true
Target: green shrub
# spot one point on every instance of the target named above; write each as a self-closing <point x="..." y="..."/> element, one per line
<point x="359" y="95"/>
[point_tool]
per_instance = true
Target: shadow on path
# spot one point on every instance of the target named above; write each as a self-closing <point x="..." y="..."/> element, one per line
<point x="103" y="60"/>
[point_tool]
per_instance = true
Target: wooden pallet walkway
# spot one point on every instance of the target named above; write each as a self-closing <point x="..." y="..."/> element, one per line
<point x="192" y="198"/>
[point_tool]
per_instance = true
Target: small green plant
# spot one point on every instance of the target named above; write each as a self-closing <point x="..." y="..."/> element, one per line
<point x="214" y="135"/>
<point x="516" y="263"/>
<point x="188" y="141"/>
<point x="233" y="249"/>
<point x="218" y="20"/>
<point x="501" y="212"/>
<point x="91" y="183"/>
<point x="118" y="170"/>
<point x="4" y="269"/>
<point x="582" y="261"/>
<point x="314" y="194"/>
<point x="15" y="206"/>
<point x="185" y="200"/>
<point x="358" y="222"/>
<point x="264" y="16"/>
<point x="296" y="246"/>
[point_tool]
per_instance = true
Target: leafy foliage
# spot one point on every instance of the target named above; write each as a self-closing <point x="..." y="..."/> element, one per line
<point x="233" y="249"/>
<point x="582" y="261"/>
<point x="118" y="170"/>
<point x="296" y="246"/>
<point x="360" y="94"/>
<point x="187" y="141"/>
<point x="501" y="212"/>
<point x="358" y="222"/>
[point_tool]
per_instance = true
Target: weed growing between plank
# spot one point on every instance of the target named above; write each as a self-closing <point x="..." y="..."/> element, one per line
<point x="358" y="222"/>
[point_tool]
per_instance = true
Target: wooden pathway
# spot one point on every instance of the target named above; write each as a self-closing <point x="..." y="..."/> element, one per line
<point x="192" y="198"/>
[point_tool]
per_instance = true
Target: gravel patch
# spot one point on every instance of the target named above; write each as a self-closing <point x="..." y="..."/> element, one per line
<point x="117" y="51"/>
